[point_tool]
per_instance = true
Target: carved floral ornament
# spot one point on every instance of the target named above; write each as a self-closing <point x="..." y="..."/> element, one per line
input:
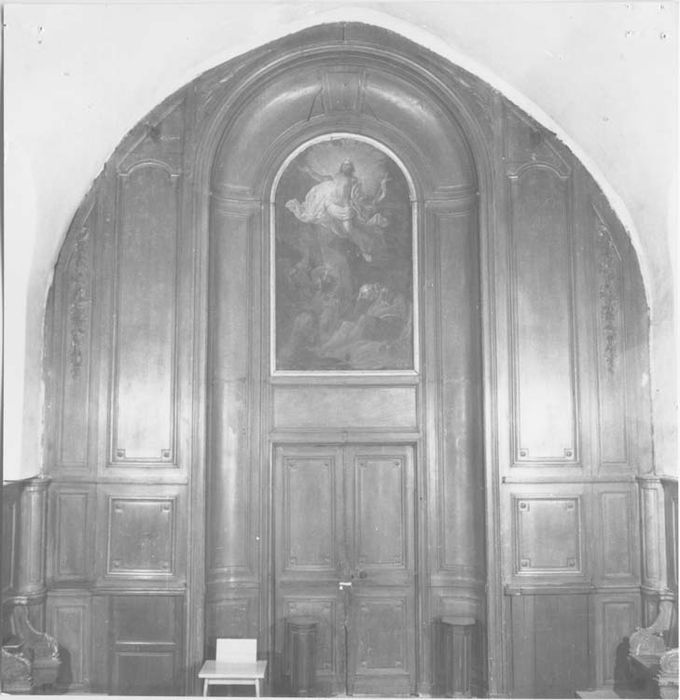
<point x="610" y="304"/>
<point x="79" y="300"/>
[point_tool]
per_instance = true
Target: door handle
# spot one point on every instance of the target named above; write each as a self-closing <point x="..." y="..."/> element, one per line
<point x="344" y="584"/>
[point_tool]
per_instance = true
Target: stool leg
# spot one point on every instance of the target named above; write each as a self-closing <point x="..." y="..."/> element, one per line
<point x="205" y="687"/>
<point x="257" y="688"/>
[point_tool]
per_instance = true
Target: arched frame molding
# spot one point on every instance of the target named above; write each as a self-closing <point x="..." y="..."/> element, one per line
<point x="457" y="101"/>
<point x="413" y="199"/>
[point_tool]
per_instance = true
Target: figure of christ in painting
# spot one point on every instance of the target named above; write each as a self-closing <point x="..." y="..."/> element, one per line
<point x="339" y="203"/>
<point x="343" y="293"/>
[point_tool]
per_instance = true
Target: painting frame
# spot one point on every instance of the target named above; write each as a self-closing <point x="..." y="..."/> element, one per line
<point x="271" y="233"/>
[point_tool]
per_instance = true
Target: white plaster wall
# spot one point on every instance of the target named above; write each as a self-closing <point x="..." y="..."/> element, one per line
<point x="77" y="77"/>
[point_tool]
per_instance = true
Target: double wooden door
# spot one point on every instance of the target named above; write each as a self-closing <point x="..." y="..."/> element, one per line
<point x="344" y="554"/>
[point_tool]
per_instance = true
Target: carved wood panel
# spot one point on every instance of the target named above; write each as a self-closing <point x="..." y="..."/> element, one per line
<point x="618" y="541"/>
<point x="330" y="652"/>
<point x="548" y="535"/>
<point x="612" y="397"/>
<point x="140" y="541"/>
<point x="144" y="373"/>
<point x="71" y="534"/>
<point x="146" y="644"/>
<point x="456" y="398"/>
<point x="75" y="352"/>
<point x="546" y="663"/>
<point x="384" y="408"/>
<point x="10" y="536"/>
<point x="141" y="536"/>
<point x="616" y="617"/>
<point x="381" y="651"/>
<point x="544" y="363"/>
<point x="68" y="621"/>
<point x="311" y="487"/>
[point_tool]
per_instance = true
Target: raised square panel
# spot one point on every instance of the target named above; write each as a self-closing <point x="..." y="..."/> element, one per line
<point x="547" y="535"/>
<point x="141" y="536"/>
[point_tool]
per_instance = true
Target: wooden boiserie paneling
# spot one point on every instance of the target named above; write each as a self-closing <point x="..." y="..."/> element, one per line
<point x="548" y="537"/>
<point x="457" y="431"/>
<point x="139" y="542"/>
<point x="141" y="536"/>
<point x="543" y="353"/>
<point x="231" y="547"/>
<point x="71" y="533"/>
<point x="345" y="407"/>
<point x="551" y="654"/>
<point x="616" y="616"/>
<point x="611" y="354"/>
<point x="330" y="652"/>
<point x="76" y="305"/>
<point x="618" y="528"/>
<point x="68" y="621"/>
<point x="146" y="648"/>
<point x="143" y="423"/>
<point x="235" y="617"/>
<point x="10" y="536"/>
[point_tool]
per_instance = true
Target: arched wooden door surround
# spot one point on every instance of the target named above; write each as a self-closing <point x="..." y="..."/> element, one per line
<point x="374" y="634"/>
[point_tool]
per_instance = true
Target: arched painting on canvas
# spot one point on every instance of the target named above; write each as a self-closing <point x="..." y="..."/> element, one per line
<point x="343" y="261"/>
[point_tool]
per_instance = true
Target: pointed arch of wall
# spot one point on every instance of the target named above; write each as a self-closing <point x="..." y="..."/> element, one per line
<point x="192" y="153"/>
<point x="23" y="454"/>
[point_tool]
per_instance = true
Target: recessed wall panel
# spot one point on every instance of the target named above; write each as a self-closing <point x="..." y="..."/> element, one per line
<point x="141" y="539"/>
<point x="544" y="381"/>
<point x="610" y="347"/>
<point x="76" y="302"/>
<point x="345" y="407"/>
<point x="619" y="619"/>
<point x="144" y="383"/>
<point x="616" y="526"/>
<point x="548" y="535"/>
<point x="72" y="535"/>
<point x="68" y="621"/>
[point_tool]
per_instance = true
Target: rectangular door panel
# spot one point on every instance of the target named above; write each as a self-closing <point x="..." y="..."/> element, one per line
<point x="381" y="511"/>
<point x="309" y="553"/>
<point x="381" y="655"/>
<point x="380" y="515"/>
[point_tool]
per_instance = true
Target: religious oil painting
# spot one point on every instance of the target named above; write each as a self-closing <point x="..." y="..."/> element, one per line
<point x="343" y="261"/>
